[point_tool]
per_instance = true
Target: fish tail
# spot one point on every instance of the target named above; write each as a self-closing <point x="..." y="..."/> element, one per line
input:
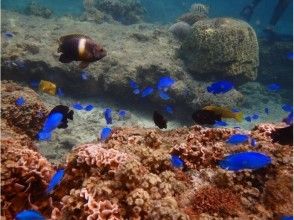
<point x="239" y="116"/>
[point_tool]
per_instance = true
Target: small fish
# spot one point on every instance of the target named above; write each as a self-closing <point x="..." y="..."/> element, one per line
<point x="205" y="117"/>
<point x="237" y="127"/>
<point x="29" y="215"/>
<point x="85" y="75"/>
<point x="237" y="139"/>
<point x="165" y="83"/>
<point x="105" y="133"/>
<point x="289" y="119"/>
<point x="47" y="87"/>
<point x="163" y="95"/>
<point x="147" y="91"/>
<point x="245" y="160"/>
<point x="20" y="101"/>
<point x="248" y="118"/>
<point x="169" y="109"/>
<point x="177" y="162"/>
<point x="225" y="112"/>
<point x="136" y="91"/>
<point x="290" y="56"/>
<point x="133" y="84"/>
<point x="253" y="142"/>
<point x="159" y="120"/>
<point x="220" y="87"/>
<point x="89" y="108"/>
<point x="78" y="47"/>
<point x="287" y="108"/>
<point x="107" y="115"/>
<point x="273" y="87"/>
<point x="55" y="180"/>
<point x="266" y="110"/>
<point x="66" y="113"/>
<point x="235" y="110"/>
<point x="8" y="35"/>
<point x="220" y="123"/>
<point x="287" y="217"/>
<point x="77" y="106"/>
<point x="60" y="92"/>
<point x="51" y="123"/>
<point x="255" y="117"/>
<point x="283" y="136"/>
<point x="34" y="83"/>
<point x="122" y="113"/>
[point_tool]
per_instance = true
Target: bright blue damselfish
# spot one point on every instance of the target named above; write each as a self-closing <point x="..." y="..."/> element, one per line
<point x="248" y="118"/>
<point x="165" y="83"/>
<point x="89" y="107"/>
<point x="133" y="84"/>
<point x="287" y="218"/>
<point x="220" y="123"/>
<point x="245" y="160"/>
<point x="169" y="109"/>
<point x="253" y="142"/>
<point x="147" y="91"/>
<point x="177" y="162"/>
<point x="29" y="215"/>
<point x="237" y="139"/>
<point x="50" y="124"/>
<point x="77" y="106"/>
<point x="220" y="87"/>
<point x="105" y="133"/>
<point x="273" y="87"/>
<point x="85" y="75"/>
<point x="20" y="101"/>
<point x="163" y="95"/>
<point x="107" y="115"/>
<point x="289" y="119"/>
<point x="122" y="113"/>
<point x="287" y="108"/>
<point x="255" y="116"/>
<point x="55" y="180"/>
<point x="266" y="110"/>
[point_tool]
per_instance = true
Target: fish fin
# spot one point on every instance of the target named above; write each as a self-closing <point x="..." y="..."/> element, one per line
<point x="66" y="37"/>
<point x="84" y="64"/>
<point x="65" y="59"/>
<point x="70" y="114"/>
<point x="239" y="116"/>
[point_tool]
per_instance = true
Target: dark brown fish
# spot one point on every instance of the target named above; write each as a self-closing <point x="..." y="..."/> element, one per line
<point x="78" y="47"/>
<point x="159" y="120"/>
<point x="67" y="114"/>
<point x="205" y="117"/>
<point x="283" y="136"/>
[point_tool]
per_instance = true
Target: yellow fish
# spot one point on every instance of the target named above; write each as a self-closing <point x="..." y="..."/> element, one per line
<point x="225" y="112"/>
<point x="48" y="87"/>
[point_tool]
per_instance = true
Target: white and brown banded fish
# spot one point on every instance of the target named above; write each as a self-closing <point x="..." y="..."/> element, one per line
<point x="199" y="9"/>
<point x="78" y="47"/>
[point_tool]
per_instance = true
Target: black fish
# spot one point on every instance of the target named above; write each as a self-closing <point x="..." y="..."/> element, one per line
<point x="159" y="120"/>
<point x="205" y="117"/>
<point x="283" y="136"/>
<point x="67" y="114"/>
<point x="78" y="47"/>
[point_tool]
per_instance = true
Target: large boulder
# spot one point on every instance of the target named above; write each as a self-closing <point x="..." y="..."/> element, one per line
<point x="222" y="47"/>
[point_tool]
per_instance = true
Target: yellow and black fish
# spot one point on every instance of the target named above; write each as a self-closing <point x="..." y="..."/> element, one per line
<point x="78" y="47"/>
<point x="225" y="112"/>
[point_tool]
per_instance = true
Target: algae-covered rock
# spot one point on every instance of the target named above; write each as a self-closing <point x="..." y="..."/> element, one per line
<point x="222" y="47"/>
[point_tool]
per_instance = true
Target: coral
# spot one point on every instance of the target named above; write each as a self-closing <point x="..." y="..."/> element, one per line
<point x="28" y="118"/>
<point x="180" y="30"/>
<point x="223" y="46"/>
<point x="36" y="9"/>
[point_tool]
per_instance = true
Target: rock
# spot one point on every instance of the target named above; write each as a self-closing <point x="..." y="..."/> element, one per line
<point x="221" y="47"/>
<point x="180" y="30"/>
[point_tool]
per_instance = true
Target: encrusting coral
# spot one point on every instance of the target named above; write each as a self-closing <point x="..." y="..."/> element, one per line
<point x="130" y="176"/>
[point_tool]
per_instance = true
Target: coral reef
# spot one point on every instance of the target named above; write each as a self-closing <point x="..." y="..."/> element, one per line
<point x="222" y="47"/>
<point x="38" y="10"/>
<point x="197" y="12"/>
<point x="180" y="30"/>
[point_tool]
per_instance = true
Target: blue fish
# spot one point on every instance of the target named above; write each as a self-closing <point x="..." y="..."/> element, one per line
<point x="29" y="215"/>
<point x="253" y="142"/>
<point x="273" y="87"/>
<point x="133" y="84"/>
<point x="60" y="92"/>
<point x="51" y="123"/>
<point x="85" y="75"/>
<point x="77" y="106"/>
<point x="122" y="113"/>
<point x="220" y="123"/>
<point x="136" y="91"/>
<point x="235" y="110"/>
<point x="287" y="108"/>
<point x="237" y="139"/>
<point x="165" y="83"/>
<point x="8" y="35"/>
<point x="163" y="95"/>
<point x="237" y="127"/>
<point x="55" y="180"/>
<point x="34" y="83"/>
<point x="288" y="217"/>
<point x="169" y="109"/>
<point x="21" y="64"/>
<point x="289" y="119"/>
<point x="245" y="160"/>
<point x="89" y="108"/>
<point x="220" y="87"/>
<point x="177" y="162"/>
<point x="266" y="110"/>
<point x="105" y="133"/>
<point x="290" y="56"/>
<point x="255" y="117"/>
<point x="107" y="115"/>
<point x="147" y="91"/>
<point x="44" y="136"/>
<point x="20" y="101"/>
<point x="248" y="118"/>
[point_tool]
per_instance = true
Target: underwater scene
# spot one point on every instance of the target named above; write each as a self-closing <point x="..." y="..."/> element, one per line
<point x="146" y="109"/>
